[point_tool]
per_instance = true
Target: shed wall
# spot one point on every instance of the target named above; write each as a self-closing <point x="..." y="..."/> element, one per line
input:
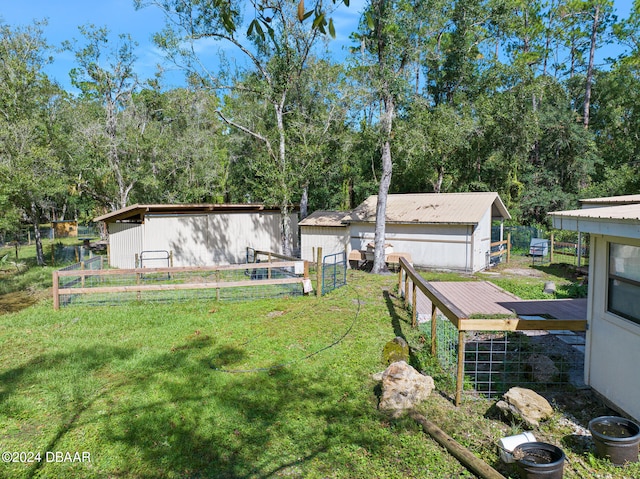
<point x="209" y="239"/>
<point x="125" y="240"/>
<point x="331" y="239"/>
<point x="613" y="343"/>
<point x="431" y="246"/>
<point x="197" y="240"/>
<point x="482" y="243"/>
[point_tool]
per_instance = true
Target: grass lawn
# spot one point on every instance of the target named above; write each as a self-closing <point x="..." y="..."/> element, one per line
<point x="268" y="388"/>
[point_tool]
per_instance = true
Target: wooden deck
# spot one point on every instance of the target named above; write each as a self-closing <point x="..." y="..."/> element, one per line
<point x="484" y="299"/>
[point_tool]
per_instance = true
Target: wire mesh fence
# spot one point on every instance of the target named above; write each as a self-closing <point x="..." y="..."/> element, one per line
<point x="74" y="285"/>
<point x="334" y="272"/>
<point x="495" y="361"/>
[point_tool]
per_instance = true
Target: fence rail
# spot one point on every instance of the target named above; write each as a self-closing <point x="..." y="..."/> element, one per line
<point x="72" y="282"/>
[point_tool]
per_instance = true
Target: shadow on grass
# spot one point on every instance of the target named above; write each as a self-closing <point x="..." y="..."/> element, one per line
<point x="169" y="414"/>
<point x="398" y="322"/>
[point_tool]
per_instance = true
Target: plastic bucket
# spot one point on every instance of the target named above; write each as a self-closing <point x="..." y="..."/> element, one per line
<point x="506" y="445"/>
<point x="539" y="460"/>
<point x="615" y="438"/>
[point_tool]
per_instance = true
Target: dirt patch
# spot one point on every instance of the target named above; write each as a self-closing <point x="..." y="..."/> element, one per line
<point x="12" y="302"/>
<point x="533" y="273"/>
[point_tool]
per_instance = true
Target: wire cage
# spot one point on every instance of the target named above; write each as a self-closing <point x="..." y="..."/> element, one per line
<point x="487" y="356"/>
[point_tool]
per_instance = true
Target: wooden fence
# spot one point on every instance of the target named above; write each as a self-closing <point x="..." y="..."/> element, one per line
<point x="179" y="278"/>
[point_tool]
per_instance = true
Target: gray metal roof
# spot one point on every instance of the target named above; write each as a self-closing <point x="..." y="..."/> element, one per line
<point x="623" y="220"/>
<point x="325" y="218"/>
<point x="433" y="208"/>
<point x="138" y="212"/>
<point x="628" y="212"/>
<point x="611" y="200"/>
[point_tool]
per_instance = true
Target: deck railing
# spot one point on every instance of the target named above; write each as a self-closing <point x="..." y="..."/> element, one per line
<point x="410" y="282"/>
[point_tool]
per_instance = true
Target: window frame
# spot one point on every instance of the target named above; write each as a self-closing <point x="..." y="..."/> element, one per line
<point x="627" y="281"/>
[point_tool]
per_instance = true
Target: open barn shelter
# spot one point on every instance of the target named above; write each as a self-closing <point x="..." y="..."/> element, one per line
<point x="437" y="230"/>
<point x="613" y="308"/>
<point x="193" y="235"/>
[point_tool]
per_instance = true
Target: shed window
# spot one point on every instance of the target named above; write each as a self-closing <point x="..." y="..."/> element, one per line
<point x="624" y="281"/>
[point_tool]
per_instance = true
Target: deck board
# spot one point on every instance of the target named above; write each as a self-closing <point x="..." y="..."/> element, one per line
<point x="485" y="299"/>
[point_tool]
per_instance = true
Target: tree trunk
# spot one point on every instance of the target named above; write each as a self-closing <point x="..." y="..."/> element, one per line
<point x="592" y="52"/>
<point x="36" y="231"/>
<point x="379" y="263"/>
<point x="437" y="186"/>
<point x="304" y="202"/>
<point x="287" y="248"/>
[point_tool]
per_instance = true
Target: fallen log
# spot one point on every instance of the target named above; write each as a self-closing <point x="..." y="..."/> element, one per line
<point x="462" y="454"/>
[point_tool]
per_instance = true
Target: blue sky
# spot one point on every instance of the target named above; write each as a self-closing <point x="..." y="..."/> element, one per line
<point x="119" y="16"/>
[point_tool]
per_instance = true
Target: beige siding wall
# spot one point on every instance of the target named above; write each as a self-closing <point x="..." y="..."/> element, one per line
<point x="210" y="239"/>
<point x="125" y="240"/>
<point x="613" y="343"/>
<point x="433" y="246"/>
<point x="331" y="239"/>
<point x="482" y="242"/>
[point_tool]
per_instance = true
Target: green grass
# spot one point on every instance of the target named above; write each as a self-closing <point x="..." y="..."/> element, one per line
<point x="268" y="388"/>
<point x="143" y="388"/>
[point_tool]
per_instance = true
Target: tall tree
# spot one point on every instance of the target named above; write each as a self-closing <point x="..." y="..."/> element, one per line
<point x="106" y="74"/>
<point x="387" y="36"/>
<point x="276" y="49"/>
<point x="30" y="169"/>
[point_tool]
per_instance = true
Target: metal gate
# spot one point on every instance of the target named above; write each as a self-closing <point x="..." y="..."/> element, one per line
<point x="334" y="271"/>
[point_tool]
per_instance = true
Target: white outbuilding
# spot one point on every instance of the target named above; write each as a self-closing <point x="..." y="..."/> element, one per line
<point x="613" y="310"/>
<point x="324" y="229"/>
<point x="192" y="235"/>
<point x="447" y="230"/>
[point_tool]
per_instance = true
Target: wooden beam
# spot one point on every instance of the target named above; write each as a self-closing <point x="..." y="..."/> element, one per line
<point x="185" y="269"/>
<point x="476" y="465"/>
<point x="177" y="287"/>
<point x="518" y="324"/>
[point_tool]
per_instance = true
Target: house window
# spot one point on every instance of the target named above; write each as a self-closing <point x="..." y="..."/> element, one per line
<point x="624" y="281"/>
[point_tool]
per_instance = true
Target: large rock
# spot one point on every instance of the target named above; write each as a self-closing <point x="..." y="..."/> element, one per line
<point x="525" y="405"/>
<point x="395" y="350"/>
<point x="541" y="368"/>
<point x="403" y="388"/>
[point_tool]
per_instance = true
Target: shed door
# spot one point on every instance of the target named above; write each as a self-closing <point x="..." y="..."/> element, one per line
<point x="125" y="240"/>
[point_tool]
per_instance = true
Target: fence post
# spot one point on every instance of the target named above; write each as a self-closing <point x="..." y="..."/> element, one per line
<point x="460" y="375"/>
<point x="53" y="254"/>
<point x="56" y="296"/>
<point x="552" y="242"/>
<point x="82" y="267"/>
<point x="414" y="313"/>
<point x="508" y="246"/>
<point x="434" y="331"/>
<point x="400" y="270"/>
<point x="319" y="272"/>
<point x="406" y="289"/>
<point x="579" y="248"/>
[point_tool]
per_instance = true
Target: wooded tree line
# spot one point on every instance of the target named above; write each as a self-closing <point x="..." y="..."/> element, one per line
<point x="435" y="96"/>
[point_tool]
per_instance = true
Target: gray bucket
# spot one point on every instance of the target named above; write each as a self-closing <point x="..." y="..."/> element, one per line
<point x="539" y="460"/>
<point x="615" y="438"/>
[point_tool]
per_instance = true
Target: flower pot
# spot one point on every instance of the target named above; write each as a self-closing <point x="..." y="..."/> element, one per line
<point x="615" y="438"/>
<point x="506" y="445"/>
<point x="539" y="460"/>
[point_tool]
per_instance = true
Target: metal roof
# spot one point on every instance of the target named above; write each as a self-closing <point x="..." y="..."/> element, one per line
<point x="138" y="212"/>
<point x="623" y="220"/>
<point x="628" y="212"/>
<point x="325" y="218"/>
<point x="611" y="200"/>
<point x="433" y="208"/>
